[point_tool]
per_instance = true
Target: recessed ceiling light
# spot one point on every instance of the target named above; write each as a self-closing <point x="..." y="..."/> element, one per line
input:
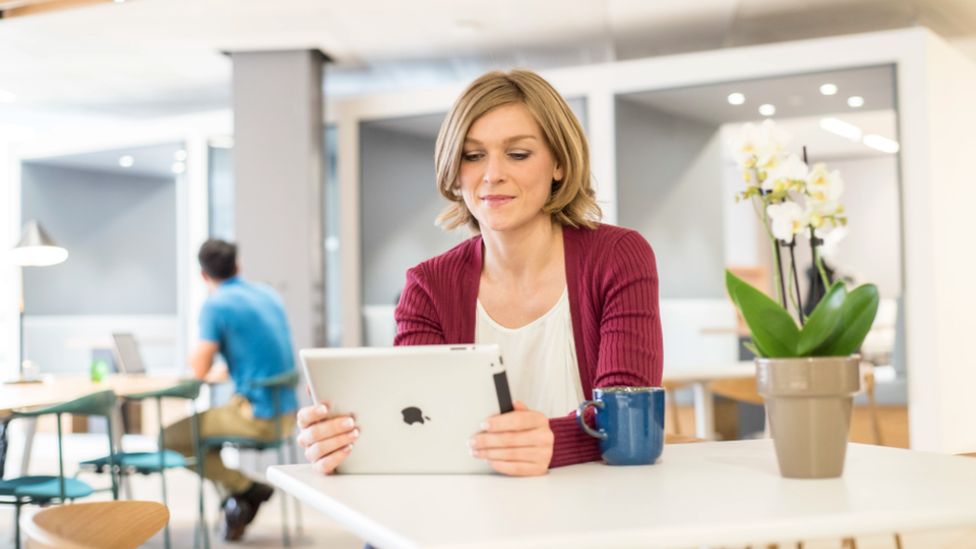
<point x="178" y="167"/>
<point x="855" y="101"/>
<point x="828" y="89"/>
<point x="837" y="126"/>
<point x="179" y="155"/>
<point x="767" y="109"/>
<point x="7" y="97"/>
<point x="126" y="161"/>
<point x="736" y="98"/>
<point x="880" y="143"/>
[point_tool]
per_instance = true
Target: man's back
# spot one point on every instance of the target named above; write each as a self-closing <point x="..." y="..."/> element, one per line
<point x="248" y="322"/>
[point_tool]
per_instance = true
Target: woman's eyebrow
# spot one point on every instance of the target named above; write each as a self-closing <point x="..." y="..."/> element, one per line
<point x="474" y="141"/>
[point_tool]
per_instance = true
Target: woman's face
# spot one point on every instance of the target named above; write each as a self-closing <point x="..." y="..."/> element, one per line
<point x="507" y="169"/>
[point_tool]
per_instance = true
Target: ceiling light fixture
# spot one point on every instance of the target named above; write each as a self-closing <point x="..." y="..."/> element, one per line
<point x="767" y="109"/>
<point x="178" y="167"/>
<point x="179" y="156"/>
<point x="7" y="97"/>
<point x="126" y="161"/>
<point x="880" y="143"/>
<point x="736" y="98"/>
<point x="837" y="126"/>
<point x="855" y="101"/>
<point x="828" y="89"/>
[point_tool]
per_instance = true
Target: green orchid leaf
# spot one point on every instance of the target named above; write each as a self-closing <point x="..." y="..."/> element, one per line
<point x="858" y="312"/>
<point x="751" y="347"/>
<point x="824" y="322"/>
<point x="774" y="331"/>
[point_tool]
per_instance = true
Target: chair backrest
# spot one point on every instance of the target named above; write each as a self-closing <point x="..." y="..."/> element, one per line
<point x="116" y="524"/>
<point x="743" y="390"/>
<point x="101" y="403"/>
<point x="188" y="389"/>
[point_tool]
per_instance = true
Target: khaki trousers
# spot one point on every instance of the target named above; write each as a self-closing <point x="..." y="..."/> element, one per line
<point x="234" y="419"/>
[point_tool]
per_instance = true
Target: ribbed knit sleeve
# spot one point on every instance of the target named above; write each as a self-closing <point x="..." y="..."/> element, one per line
<point x="630" y="349"/>
<point x="630" y="330"/>
<point x="416" y="317"/>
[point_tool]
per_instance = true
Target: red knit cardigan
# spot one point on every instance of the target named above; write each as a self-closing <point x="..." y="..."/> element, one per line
<point x="613" y="299"/>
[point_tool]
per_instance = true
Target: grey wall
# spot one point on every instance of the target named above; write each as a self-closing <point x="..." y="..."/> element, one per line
<point x="120" y="233"/>
<point x="669" y="187"/>
<point x="399" y="203"/>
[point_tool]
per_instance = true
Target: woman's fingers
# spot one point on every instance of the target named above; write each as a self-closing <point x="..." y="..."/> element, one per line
<point x="532" y="454"/>
<point x="325" y="429"/>
<point x="534" y="437"/>
<point x="519" y="468"/>
<point x="322" y="448"/>
<point x="312" y="414"/>
<point x="328" y="464"/>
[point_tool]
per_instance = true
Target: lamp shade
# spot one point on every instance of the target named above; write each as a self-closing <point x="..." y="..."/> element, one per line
<point x="36" y="248"/>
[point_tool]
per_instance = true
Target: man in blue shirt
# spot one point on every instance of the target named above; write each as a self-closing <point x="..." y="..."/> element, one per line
<point x="246" y="324"/>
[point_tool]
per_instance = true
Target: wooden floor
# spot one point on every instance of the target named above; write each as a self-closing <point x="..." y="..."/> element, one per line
<point x="893" y="421"/>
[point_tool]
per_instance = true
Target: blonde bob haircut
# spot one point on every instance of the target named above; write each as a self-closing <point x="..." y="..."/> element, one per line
<point x="571" y="201"/>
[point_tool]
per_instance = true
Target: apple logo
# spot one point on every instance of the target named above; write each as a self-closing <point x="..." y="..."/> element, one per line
<point x="413" y="415"/>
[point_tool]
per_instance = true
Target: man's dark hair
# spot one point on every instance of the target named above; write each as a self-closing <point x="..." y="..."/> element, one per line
<point x="218" y="258"/>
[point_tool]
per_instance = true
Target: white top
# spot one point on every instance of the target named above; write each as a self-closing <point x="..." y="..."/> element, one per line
<point x="540" y="358"/>
<point x="713" y="493"/>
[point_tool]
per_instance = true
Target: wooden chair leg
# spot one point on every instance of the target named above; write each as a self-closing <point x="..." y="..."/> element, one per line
<point x="673" y="410"/>
<point x="850" y="543"/>
<point x="898" y="540"/>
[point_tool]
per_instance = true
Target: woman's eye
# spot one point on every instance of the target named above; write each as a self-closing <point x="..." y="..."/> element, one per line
<point x="471" y="157"/>
<point x="518" y="155"/>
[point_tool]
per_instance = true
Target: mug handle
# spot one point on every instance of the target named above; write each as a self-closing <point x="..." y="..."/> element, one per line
<point x="602" y="435"/>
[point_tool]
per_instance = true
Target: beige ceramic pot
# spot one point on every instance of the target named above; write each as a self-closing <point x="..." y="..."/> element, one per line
<point x="808" y="403"/>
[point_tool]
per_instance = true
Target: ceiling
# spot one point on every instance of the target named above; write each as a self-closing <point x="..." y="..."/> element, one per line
<point x="151" y="58"/>
<point x="152" y="160"/>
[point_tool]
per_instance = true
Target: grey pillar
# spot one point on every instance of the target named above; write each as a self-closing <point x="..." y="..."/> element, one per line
<point x="278" y="174"/>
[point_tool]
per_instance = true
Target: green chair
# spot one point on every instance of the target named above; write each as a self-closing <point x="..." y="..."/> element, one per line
<point x="278" y="384"/>
<point x="159" y="461"/>
<point x="46" y="489"/>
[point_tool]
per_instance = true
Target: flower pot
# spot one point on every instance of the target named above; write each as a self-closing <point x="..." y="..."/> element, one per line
<point x="808" y="403"/>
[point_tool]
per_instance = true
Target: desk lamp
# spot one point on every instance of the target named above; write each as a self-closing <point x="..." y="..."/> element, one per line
<point x="35" y="249"/>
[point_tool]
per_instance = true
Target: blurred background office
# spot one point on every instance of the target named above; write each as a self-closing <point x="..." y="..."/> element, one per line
<point x="304" y="130"/>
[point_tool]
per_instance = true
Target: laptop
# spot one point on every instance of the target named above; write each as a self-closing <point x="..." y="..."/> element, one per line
<point x="127" y="356"/>
<point x="415" y="407"/>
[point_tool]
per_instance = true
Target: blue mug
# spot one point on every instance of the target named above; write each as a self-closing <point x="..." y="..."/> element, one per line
<point x="630" y="423"/>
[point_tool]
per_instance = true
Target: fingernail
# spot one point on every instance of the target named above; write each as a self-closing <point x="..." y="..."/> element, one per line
<point x="355" y="433"/>
<point x="349" y="448"/>
<point x="348" y="422"/>
<point x="471" y="443"/>
<point x="484" y="425"/>
<point x="323" y="409"/>
<point x="476" y="453"/>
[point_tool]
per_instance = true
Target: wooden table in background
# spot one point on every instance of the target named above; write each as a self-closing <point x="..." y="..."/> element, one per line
<point x="57" y="389"/>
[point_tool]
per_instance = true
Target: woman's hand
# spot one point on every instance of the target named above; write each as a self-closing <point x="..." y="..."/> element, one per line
<point x="518" y="443"/>
<point x="327" y="439"/>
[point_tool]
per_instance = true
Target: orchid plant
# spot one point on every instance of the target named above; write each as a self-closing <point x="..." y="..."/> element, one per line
<point x="796" y="201"/>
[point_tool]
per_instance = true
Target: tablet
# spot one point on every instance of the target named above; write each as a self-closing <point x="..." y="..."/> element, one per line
<point x="416" y="407"/>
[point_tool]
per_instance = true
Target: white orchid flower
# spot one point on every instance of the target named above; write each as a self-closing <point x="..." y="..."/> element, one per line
<point x="759" y="146"/>
<point x="779" y="177"/>
<point x="824" y="186"/>
<point x="817" y="212"/>
<point x="787" y="219"/>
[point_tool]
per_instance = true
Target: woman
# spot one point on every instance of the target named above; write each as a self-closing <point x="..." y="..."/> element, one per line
<point x="572" y="303"/>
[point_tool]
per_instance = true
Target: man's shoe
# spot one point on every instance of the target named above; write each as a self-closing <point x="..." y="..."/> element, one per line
<point x="238" y="513"/>
<point x="240" y="509"/>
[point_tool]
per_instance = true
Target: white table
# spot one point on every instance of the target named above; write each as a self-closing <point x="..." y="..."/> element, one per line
<point x="698" y="377"/>
<point x="698" y="494"/>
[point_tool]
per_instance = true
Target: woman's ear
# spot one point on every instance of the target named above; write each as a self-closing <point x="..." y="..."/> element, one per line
<point x="557" y="173"/>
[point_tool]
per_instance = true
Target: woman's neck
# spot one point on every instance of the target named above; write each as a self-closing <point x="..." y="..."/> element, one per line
<point x="524" y="254"/>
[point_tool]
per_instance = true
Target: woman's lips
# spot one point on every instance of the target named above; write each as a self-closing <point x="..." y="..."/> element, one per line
<point x="496" y="200"/>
